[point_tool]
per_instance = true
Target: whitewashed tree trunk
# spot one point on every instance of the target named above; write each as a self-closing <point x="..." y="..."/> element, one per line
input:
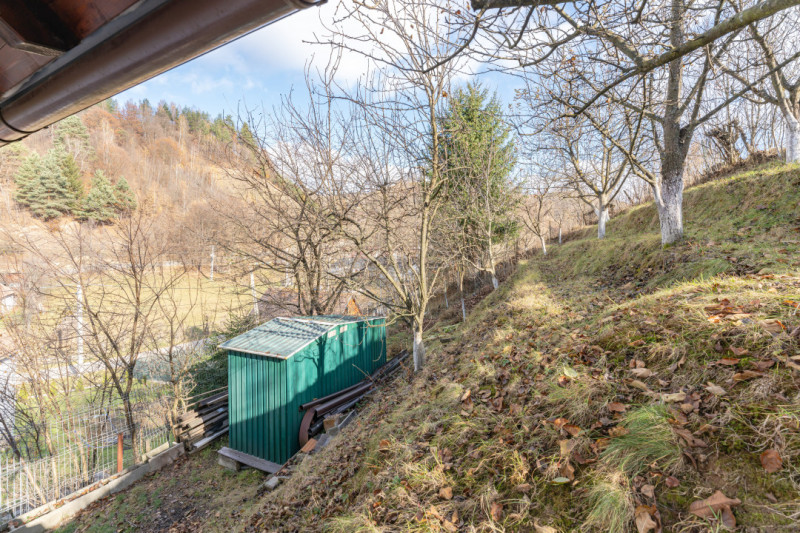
<point x="792" y="139"/>
<point x="602" y="217"/>
<point x="446" y="303"/>
<point x="669" y="202"/>
<point x="544" y="245"/>
<point x="419" y="349"/>
<point x="559" y="235"/>
<point x="461" y="297"/>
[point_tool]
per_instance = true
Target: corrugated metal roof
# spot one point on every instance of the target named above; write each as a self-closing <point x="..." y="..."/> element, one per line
<point x="283" y="337"/>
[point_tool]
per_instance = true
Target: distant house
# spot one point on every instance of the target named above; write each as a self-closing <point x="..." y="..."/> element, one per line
<point x="8" y="299"/>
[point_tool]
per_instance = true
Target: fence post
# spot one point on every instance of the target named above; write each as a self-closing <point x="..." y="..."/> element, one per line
<point x="119" y="453"/>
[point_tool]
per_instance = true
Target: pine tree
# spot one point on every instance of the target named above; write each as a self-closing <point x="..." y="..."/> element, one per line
<point x="72" y="175"/>
<point x="27" y="179"/>
<point x="100" y="203"/>
<point x="71" y="135"/>
<point x="52" y="196"/>
<point x="125" y="200"/>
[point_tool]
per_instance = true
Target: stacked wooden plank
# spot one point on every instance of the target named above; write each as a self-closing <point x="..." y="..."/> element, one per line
<point x="207" y="420"/>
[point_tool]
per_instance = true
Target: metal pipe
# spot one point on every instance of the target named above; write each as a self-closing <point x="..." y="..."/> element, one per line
<point x="149" y="39"/>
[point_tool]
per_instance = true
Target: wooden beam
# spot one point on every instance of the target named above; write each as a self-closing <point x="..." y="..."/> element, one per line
<point x="31" y="26"/>
<point x="250" y="460"/>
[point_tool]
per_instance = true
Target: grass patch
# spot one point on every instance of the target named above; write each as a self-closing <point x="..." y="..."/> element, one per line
<point x="648" y="439"/>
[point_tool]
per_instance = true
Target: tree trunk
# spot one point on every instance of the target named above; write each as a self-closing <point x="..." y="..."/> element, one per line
<point x="419" y="349"/>
<point x="669" y="202"/>
<point x="461" y="296"/>
<point x="544" y="245"/>
<point x="446" y="302"/>
<point x="559" y="235"/>
<point x="492" y="269"/>
<point x="602" y="217"/>
<point x="792" y="139"/>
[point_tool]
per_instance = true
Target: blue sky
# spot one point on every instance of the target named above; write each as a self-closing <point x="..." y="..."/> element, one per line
<point x="258" y="68"/>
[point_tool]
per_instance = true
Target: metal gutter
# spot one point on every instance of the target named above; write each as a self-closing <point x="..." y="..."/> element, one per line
<point x="148" y="39"/>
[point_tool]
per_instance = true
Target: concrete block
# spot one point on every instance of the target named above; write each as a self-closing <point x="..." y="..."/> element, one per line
<point x="228" y="463"/>
<point x="272" y="483"/>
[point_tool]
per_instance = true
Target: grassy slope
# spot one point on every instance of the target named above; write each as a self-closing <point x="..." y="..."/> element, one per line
<point x="530" y="415"/>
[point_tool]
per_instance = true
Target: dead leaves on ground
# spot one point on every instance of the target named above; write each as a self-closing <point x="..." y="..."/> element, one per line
<point x="717" y="506"/>
<point x="771" y="461"/>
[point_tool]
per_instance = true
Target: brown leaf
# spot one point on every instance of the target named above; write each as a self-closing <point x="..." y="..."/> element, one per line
<point x="712" y="505"/>
<point x="771" y="461"/>
<point x="764" y="364"/>
<point x="466" y="395"/>
<point x="524" y="487"/>
<point x="617" y="431"/>
<point x="648" y="490"/>
<point x="644" y="522"/>
<point x="616" y="407"/>
<point x="642" y="372"/>
<point x="496" y="511"/>
<point x="674" y="397"/>
<point x="728" y="361"/>
<point x="572" y="429"/>
<point x="543" y="529"/>
<point x="773" y="326"/>
<point x="566" y="470"/>
<point x="716" y="390"/>
<point x="739" y="352"/>
<point x="727" y="518"/>
<point x="560" y="422"/>
<point x="747" y="374"/>
<point x="446" y="493"/>
<point x="672" y="482"/>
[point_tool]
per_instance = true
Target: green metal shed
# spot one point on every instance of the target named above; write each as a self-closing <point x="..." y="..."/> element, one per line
<point x="286" y="362"/>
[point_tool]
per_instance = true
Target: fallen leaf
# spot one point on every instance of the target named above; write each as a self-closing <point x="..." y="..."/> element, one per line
<point x="616" y="407"/>
<point x="764" y="364"/>
<point x="648" y="490"/>
<point x="640" y="385"/>
<point x="739" y="352"/>
<point x="727" y="361"/>
<point x="771" y="461"/>
<point x="617" y="431"/>
<point x="446" y="493"/>
<point x="497" y="511"/>
<point x="716" y="390"/>
<point x="567" y="470"/>
<point x="747" y="374"/>
<point x="384" y="445"/>
<point x="572" y="429"/>
<point x="466" y="395"/>
<point x="543" y="529"/>
<point x="642" y="372"/>
<point x="524" y="487"/>
<point x="773" y="326"/>
<point x="672" y="482"/>
<point x="674" y="397"/>
<point x="644" y="522"/>
<point x="712" y="505"/>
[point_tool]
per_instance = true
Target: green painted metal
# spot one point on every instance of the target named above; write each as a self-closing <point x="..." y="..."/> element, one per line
<point x="276" y="367"/>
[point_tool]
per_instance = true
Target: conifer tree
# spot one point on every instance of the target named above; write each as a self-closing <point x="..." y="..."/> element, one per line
<point x="27" y="179"/>
<point x="100" y="203"/>
<point x="480" y="158"/>
<point x="125" y="201"/>
<point x="72" y="175"/>
<point x="51" y="195"/>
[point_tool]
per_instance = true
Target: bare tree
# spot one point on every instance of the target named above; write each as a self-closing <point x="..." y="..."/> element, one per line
<point x="291" y="168"/>
<point x="401" y="156"/>
<point x="537" y="207"/>
<point x="769" y="55"/>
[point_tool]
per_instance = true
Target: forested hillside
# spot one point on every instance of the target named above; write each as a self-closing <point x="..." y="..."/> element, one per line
<point x="114" y="159"/>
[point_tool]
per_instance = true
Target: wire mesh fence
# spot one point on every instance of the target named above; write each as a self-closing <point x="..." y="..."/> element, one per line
<point x="71" y="450"/>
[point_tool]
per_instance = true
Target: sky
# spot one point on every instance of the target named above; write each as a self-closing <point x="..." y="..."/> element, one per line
<point x="258" y="68"/>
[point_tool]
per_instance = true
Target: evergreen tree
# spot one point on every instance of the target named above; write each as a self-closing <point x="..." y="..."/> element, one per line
<point x="72" y="175"/>
<point x="27" y="179"/>
<point x="71" y="135"/>
<point x="52" y="196"/>
<point x="479" y="153"/>
<point x="100" y="203"/>
<point x="125" y="201"/>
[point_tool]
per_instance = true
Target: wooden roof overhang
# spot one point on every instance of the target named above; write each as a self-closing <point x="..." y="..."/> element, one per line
<point x="58" y="57"/>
